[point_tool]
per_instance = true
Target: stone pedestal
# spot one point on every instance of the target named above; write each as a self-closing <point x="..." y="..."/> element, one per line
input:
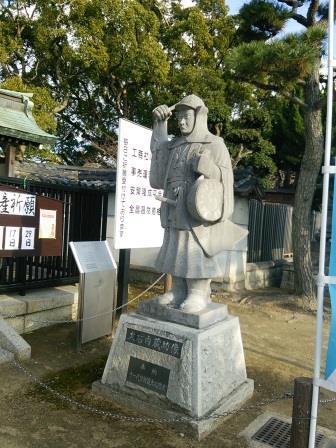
<point x="171" y="370"/>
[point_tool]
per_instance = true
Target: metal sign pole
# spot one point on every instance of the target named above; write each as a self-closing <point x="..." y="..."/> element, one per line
<point x="321" y="280"/>
<point x="123" y="279"/>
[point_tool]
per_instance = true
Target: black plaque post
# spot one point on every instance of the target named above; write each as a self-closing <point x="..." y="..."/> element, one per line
<point x="123" y="278"/>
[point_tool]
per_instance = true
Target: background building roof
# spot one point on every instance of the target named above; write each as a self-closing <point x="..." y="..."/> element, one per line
<point x="72" y="176"/>
<point x="17" y="121"/>
<point x="246" y="183"/>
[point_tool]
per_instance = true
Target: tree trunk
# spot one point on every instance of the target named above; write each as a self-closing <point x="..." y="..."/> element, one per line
<point x="310" y="168"/>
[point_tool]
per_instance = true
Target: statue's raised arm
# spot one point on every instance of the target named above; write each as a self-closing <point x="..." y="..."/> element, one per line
<point x="161" y="115"/>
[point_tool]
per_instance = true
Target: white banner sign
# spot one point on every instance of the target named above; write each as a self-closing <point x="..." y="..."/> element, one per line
<point x="137" y="217"/>
<point x="12" y="237"/>
<point x="12" y="203"/>
<point x="28" y="238"/>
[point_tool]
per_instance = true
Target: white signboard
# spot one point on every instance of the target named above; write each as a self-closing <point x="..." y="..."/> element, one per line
<point x="12" y="203"/>
<point x="12" y="237"/>
<point x="28" y="238"/>
<point x="137" y="217"/>
<point x="1" y="236"/>
<point x="47" y="224"/>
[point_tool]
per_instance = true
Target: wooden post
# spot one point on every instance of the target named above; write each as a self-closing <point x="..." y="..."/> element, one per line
<point x="303" y="390"/>
<point x="168" y="282"/>
<point x="10" y="160"/>
<point x="122" y="279"/>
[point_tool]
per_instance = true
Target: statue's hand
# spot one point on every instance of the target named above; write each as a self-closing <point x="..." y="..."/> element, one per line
<point x="204" y="165"/>
<point x="161" y="113"/>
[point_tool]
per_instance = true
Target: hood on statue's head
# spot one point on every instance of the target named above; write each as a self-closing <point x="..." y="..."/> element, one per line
<point x="200" y="133"/>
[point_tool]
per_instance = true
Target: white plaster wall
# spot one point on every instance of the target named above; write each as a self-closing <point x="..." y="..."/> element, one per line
<point x="236" y="260"/>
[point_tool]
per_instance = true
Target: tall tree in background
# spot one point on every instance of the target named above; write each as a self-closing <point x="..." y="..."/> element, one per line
<point x="100" y="60"/>
<point x="197" y="41"/>
<point x="284" y="65"/>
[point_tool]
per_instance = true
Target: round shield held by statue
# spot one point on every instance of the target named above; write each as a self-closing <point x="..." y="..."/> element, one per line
<point x="205" y="200"/>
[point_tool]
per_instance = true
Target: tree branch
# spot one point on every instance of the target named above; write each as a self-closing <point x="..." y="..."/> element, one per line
<point x="312" y="10"/>
<point x="61" y="107"/>
<point x="295" y="4"/>
<point x="88" y="137"/>
<point x="300" y="19"/>
<point x="295" y="99"/>
<point x="292" y="3"/>
<point x="241" y="154"/>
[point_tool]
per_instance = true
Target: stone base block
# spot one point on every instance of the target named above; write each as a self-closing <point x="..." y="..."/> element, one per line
<point x="45" y="318"/>
<point x="213" y="313"/>
<point x="179" y="370"/>
<point x="197" y="428"/>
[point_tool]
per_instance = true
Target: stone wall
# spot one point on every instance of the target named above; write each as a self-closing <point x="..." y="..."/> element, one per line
<point x="257" y="276"/>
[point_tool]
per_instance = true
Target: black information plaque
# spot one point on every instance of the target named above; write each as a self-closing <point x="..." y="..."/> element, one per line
<point x="148" y="375"/>
<point x="157" y="343"/>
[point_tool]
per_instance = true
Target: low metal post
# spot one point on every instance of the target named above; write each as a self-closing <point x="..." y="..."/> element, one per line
<point x="303" y="391"/>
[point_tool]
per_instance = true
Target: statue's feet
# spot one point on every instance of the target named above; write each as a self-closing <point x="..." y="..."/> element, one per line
<point x="198" y="296"/>
<point x="176" y="295"/>
<point x="170" y="298"/>
<point x="194" y="303"/>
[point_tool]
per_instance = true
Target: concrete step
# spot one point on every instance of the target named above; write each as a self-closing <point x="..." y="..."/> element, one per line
<point x="12" y="342"/>
<point x="38" y="308"/>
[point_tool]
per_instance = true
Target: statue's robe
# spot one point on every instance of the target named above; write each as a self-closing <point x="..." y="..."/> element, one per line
<point x="193" y="248"/>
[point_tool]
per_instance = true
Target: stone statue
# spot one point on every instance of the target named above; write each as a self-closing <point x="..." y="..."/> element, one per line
<point x="195" y="172"/>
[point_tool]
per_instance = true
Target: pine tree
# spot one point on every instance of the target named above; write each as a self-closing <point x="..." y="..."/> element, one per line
<point x="282" y="65"/>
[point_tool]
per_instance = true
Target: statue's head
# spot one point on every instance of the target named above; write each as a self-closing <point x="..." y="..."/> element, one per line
<point x="185" y="119"/>
<point x="188" y="112"/>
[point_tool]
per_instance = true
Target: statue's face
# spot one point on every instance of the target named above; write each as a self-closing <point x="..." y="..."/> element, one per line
<point x="186" y="120"/>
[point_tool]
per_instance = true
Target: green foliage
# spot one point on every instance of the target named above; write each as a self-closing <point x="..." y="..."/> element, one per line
<point x="281" y="63"/>
<point x="95" y="58"/>
<point x="287" y="135"/>
<point x="260" y="20"/>
<point x="247" y="137"/>
<point x="91" y="62"/>
<point x="281" y="66"/>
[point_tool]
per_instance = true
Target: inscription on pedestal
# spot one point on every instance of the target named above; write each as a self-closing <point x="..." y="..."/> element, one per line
<point x="157" y="343"/>
<point x="148" y="375"/>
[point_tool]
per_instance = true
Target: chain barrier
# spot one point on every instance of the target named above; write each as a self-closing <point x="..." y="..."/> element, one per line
<point x="328" y="400"/>
<point x="86" y="407"/>
<point x="184" y="419"/>
<point x="71" y="321"/>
